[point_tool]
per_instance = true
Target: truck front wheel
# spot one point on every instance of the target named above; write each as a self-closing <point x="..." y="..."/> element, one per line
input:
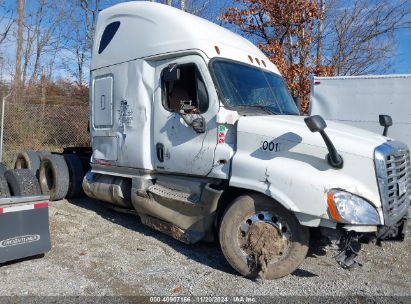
<point x="259" y="237"/>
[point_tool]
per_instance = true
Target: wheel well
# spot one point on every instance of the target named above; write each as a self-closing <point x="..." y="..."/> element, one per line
<point x="229" y="195"/>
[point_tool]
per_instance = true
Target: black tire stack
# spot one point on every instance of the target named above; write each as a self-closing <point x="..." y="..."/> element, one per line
<point x="59" y="176"/>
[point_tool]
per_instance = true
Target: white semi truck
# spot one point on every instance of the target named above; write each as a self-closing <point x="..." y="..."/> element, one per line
<point x="193" y="127"/>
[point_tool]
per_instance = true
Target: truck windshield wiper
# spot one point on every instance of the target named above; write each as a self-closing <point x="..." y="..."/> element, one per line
<point x="260" y="107"/>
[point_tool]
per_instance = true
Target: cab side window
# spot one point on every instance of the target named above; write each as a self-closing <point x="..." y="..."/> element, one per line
<point x="187" y="94"/>
<point x="108" y="35"/>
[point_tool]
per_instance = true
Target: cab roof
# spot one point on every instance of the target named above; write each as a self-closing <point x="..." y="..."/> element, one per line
<point x="149" y="29"/>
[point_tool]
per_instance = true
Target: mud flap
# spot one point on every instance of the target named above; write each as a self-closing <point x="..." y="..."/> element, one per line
<point x="24" y="233"/>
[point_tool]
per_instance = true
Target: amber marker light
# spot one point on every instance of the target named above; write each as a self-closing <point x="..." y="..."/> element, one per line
<point x="331" y="207"/>
<point x="217" y="49"/>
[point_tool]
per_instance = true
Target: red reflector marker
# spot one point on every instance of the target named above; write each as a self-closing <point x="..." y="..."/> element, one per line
<point x="317" y="82"/>
<point x="41" y="205"/>
<point x="1" y="210"/>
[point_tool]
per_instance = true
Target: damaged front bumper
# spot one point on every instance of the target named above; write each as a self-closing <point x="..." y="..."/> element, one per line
<point x="395" y="232"/>
<point x="348" y="239"/>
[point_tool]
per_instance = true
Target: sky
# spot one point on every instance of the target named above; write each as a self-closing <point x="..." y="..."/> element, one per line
<point x="403" y="56"/>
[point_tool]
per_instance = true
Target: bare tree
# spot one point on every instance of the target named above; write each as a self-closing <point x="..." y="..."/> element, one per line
<point x="208" y="9"/>
<point x="42" y="32"/>
<point x="199" y="8"/>
<point x="82" y="56"/>
<point x="6" y="22"/>
<point x="320" y="36"/>
<point x="360" y="38"/>
<point x="90" y="10"/>
<point x="19" y="51"/>
<point x="77" y="41"/>
<point x="80" y="39"/>
<point x="47" y="37"/>
<point x="27" y="51"/>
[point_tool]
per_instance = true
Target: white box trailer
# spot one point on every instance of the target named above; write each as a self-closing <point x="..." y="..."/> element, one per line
<point x="359" y="100"/>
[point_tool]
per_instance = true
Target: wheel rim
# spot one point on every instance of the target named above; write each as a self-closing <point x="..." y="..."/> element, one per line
<point x="264" y="238"/>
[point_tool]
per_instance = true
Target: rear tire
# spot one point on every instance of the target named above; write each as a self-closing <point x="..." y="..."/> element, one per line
<point x="76" y="175"/>
<point x="22" y="182"/>
<point x="28" y="160"/>
<point x="54" y="176"/>
<point x="235" y="243"/>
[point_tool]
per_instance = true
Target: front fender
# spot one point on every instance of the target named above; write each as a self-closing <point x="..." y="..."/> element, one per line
<point x="298" y="176"/>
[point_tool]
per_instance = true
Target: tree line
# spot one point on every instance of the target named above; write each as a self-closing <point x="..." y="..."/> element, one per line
<point x="52" y="38"/>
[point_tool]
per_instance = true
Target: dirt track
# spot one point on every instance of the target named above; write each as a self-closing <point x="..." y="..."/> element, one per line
<point x="97" y="251"/>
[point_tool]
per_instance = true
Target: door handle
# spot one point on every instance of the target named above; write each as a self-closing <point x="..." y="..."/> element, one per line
<point x="103" y="102"/>
<point x="160" y="152"/>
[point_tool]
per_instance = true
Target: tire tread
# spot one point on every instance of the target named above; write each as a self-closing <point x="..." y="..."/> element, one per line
<point x="22" y="182"/>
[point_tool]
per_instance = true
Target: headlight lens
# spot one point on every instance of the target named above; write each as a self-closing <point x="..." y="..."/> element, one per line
<point x="348" y="208"/>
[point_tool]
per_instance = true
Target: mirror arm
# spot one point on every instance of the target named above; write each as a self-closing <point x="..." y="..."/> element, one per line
<point x="334" y="159"/>
<point x="317" y="124"/>
<point x="386" y="122"/>
<point x="385" y="132"/>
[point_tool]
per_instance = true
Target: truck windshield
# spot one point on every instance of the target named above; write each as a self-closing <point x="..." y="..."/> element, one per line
<point x="245" y="88"/>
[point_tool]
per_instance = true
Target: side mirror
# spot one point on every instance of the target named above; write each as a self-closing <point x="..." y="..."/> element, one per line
<point x="196" y="121"/>
<point x="172" y="74"/>
<point x="386" y="122"/>
<point x="317" y="124"/>
<point x="199" y="124"/>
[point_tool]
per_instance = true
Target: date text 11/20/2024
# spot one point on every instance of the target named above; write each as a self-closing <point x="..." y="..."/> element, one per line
<point x="205" y="299"/>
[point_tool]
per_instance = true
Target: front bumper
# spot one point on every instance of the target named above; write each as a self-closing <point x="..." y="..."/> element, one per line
<point x="348" y="239"/>
<point x="394" y="232"/>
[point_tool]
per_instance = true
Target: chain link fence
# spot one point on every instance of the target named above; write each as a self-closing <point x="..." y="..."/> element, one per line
<point x="38" y="123"/>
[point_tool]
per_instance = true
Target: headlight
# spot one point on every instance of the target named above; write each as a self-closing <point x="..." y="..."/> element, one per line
<point x="348" y="208"/>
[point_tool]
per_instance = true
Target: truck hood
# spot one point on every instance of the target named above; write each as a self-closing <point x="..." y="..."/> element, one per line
<point x="279" y="156"/>
<point x="346" y="139"/>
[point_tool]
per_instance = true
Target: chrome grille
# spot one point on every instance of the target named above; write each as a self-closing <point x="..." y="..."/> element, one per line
<point x="392" y="162"/>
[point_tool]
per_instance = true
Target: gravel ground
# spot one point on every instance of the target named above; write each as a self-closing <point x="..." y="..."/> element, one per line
<point x="97" y="251"/>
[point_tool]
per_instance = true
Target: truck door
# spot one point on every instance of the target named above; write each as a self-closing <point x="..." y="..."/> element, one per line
<point x="185" y="109"/>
